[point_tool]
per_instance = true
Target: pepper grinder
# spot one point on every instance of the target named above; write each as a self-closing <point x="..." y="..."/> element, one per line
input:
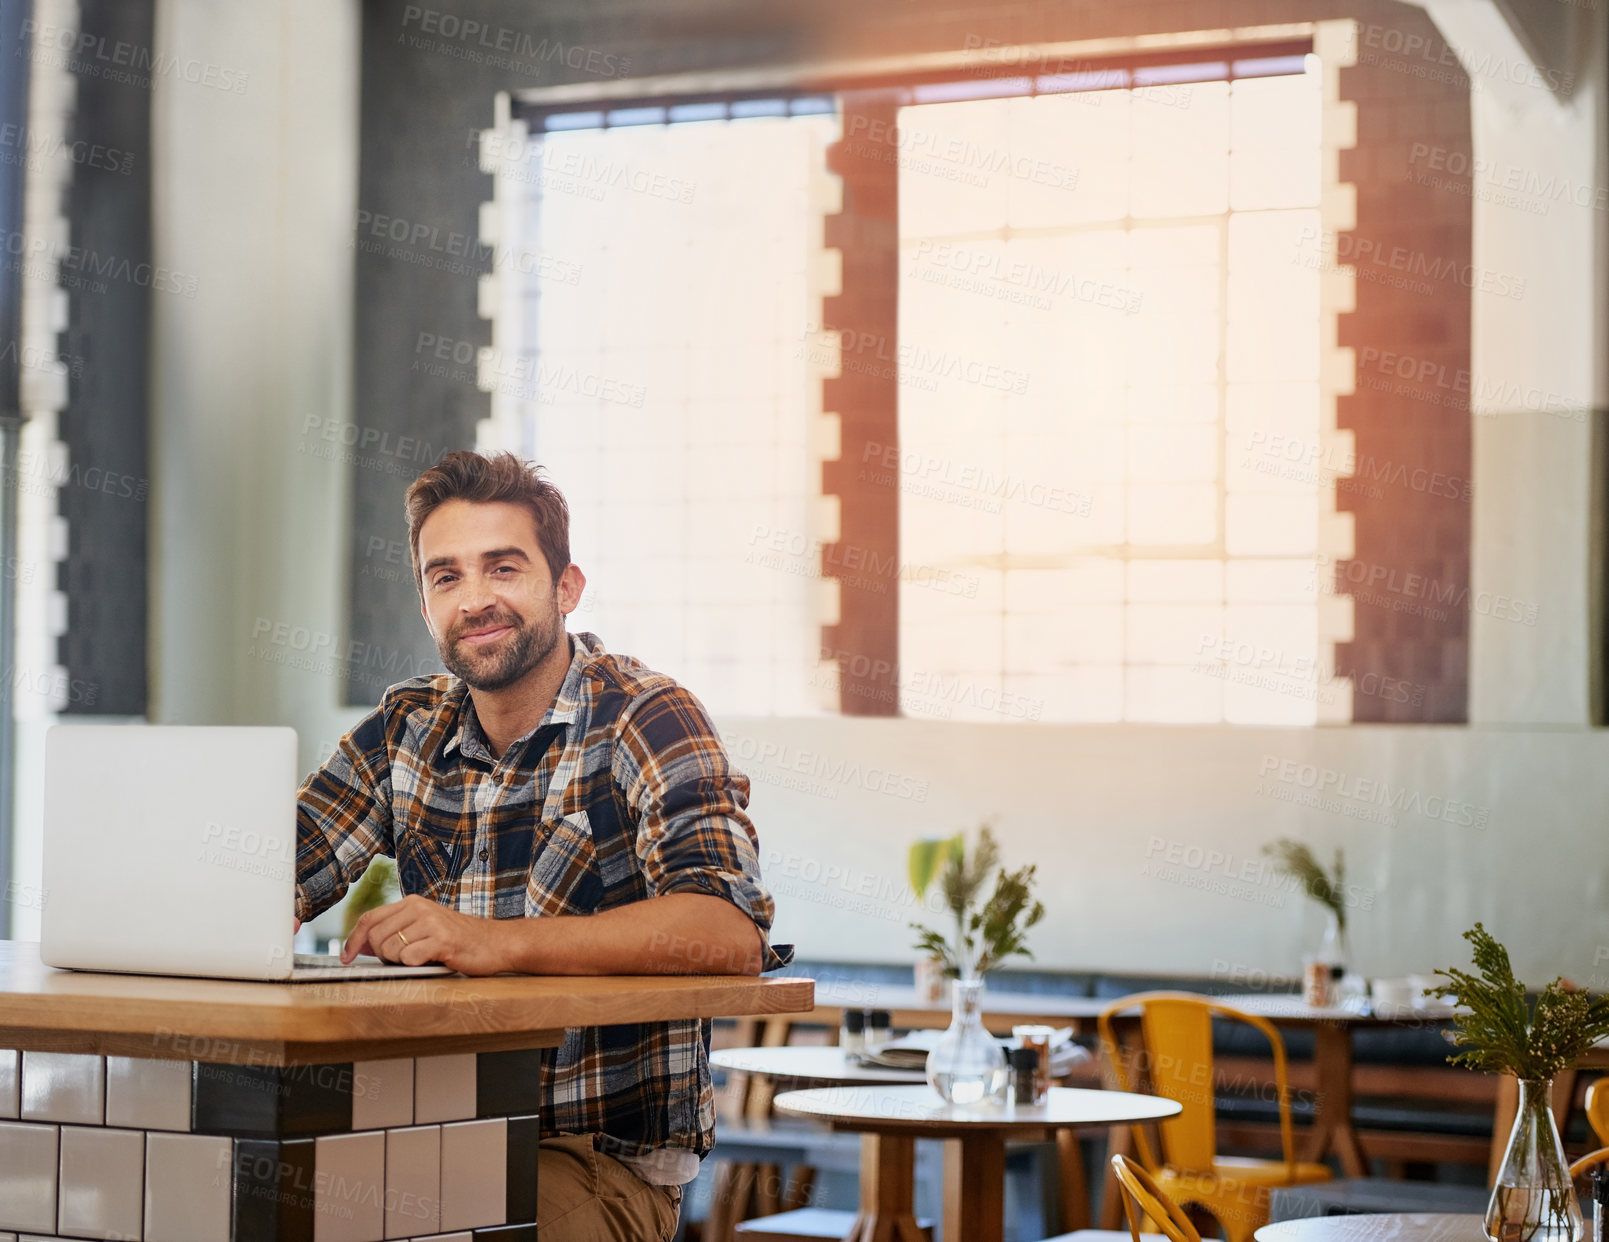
<point x="852" y="1035"/>
<point x="1024" y="1064"/>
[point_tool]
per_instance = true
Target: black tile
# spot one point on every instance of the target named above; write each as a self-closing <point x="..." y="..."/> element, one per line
<point x="257" y="1101"/>
<point x="508" y="1083"/>
<point x="506" y="1233"/>
<point x="274" y="1194"/>
<point x="524" y="1137"/>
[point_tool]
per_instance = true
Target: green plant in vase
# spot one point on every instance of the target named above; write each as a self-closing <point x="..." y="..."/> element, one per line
<point x="378" y="886"/>
<point x="1294" y="859"/>
<point x="967" y="1064"/>
<point x="1500" y="1030"/>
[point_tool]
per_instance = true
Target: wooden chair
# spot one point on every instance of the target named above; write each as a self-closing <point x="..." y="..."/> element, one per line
<point x="1144" y="1200"/>
<point x="1176" y="1032"/>
<point x="1589" y="1162"/>
<point x="748" y="1175"/>
<point x="1578" y="1170"/>
<point x="1597" y="1108"/>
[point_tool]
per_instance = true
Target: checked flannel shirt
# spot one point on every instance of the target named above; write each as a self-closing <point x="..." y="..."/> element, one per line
<point x="621" y="793"/>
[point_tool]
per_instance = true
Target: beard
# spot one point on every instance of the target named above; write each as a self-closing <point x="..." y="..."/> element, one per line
<point x="508" y="659"/>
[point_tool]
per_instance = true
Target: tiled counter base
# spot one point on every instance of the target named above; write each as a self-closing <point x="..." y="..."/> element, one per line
<point x="192" y="1151"/>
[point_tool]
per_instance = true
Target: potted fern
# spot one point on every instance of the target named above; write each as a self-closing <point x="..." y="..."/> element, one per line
<point x="1501" y="1031"/>
<point x="1293" y="859"/>
<point x="967" y="1065"/>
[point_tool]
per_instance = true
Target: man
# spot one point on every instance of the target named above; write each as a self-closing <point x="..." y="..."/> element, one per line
<point x="553" y="809"/>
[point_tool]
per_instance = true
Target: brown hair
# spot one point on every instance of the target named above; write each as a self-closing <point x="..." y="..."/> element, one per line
<point x="487" y="479"/>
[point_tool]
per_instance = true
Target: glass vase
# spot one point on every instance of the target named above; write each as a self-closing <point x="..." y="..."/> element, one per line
<point x="1533" y="1199"/>
<point x="967" y="1065"/>
<point x="1347" y="987"/>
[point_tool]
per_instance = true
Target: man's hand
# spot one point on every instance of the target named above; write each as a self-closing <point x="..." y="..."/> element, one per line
<point x="416" y="931"/>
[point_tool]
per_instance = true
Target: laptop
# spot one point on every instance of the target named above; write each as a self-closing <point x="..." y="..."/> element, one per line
<point x="171" y="850"/>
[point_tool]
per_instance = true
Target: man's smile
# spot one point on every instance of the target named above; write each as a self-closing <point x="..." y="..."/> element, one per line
<point x="490" y="634"/>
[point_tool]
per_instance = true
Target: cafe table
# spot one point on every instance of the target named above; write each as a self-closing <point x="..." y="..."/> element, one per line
<point x="1378" y="1227"/>
<point x="195" y="1110"/>
<point x="910" y="1010"/>
<point x="890" y="1119"/>
<point x="809" y="1064"/>
<point x="1332" y="1027"/>
<point x="745" y="1167"/>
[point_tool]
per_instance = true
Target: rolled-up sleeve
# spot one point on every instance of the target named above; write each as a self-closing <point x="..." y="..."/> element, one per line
<point x="343" y="816"/>
<point x="693" y="833"/>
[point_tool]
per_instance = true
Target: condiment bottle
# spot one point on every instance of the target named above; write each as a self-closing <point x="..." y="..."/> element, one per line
<point x="878" y="1032"/>
<point x="852" y="1034"/>
<point x="1024" y="1075"/>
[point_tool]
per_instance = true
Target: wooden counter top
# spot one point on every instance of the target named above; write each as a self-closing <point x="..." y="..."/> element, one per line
<point x="170" y="1018"/>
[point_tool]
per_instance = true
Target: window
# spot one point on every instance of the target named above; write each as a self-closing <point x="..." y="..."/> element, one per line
<point x="1102" y="302"/>
<point x="1113" y="302"/>
<point x="655" y="360"/>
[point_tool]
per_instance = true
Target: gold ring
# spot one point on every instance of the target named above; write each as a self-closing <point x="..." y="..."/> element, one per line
<point x="402" y="938"/>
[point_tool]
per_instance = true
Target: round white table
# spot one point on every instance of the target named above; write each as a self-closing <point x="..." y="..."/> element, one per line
<point x="822" y="1064"/>
<point x="1378" y="1227"/>
<point x="786" y="1066"/>
<point x="891" y="1119"/>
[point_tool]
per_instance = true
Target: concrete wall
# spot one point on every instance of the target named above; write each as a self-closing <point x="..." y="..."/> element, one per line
<point x="255" y="193"/>
<point x="1147" y="838"/>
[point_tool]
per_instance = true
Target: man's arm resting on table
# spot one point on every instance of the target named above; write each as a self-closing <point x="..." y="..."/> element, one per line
<point x="676" y="934"/>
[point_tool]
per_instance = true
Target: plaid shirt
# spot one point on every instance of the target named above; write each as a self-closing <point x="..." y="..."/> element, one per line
<point x="621" y="793"/>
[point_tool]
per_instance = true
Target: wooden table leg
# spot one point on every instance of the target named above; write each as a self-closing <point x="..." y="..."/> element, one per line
<point x="975" y="1188"/>
<point x="1332" y="1119"/>
<point x="1072" y="1189"/>
<point x="733" y="1192"/>
<point x="1503" y="1111"/>
<point x="887" y="1172"/>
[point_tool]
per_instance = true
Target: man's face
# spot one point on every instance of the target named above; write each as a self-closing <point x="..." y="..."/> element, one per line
<point x="489" y="600"/>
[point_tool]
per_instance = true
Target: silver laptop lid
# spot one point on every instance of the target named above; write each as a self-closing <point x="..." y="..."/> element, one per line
<point x="170" y="850"/>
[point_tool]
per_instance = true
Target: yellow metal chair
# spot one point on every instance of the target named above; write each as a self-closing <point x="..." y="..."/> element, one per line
<point x="1585" y="1165"/>
<point x="1598" y="1109"/>
<point x="1176" y="1029"/>
<point x="1143" y="1199"/>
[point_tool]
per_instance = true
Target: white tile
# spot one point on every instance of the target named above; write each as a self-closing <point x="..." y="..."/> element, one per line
<point x="412" y="1182"/>
<point x="102" y="1183"/>
<point x="349" y="1188"/>
<point x="447" y="1237"/>
<point x="444" y="1089"/>
<point x="382" y="1094"/>
<point x="474" y="1174"/>
<point x="148" y="1094"/>
<point x="63" y="1086"/>
<point x="28" y="1176"/>
<point x="10" y="1059"/>
<point x="189" y="1179"/>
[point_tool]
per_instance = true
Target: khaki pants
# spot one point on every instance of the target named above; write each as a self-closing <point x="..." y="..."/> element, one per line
<point x="583" y="1195"/>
